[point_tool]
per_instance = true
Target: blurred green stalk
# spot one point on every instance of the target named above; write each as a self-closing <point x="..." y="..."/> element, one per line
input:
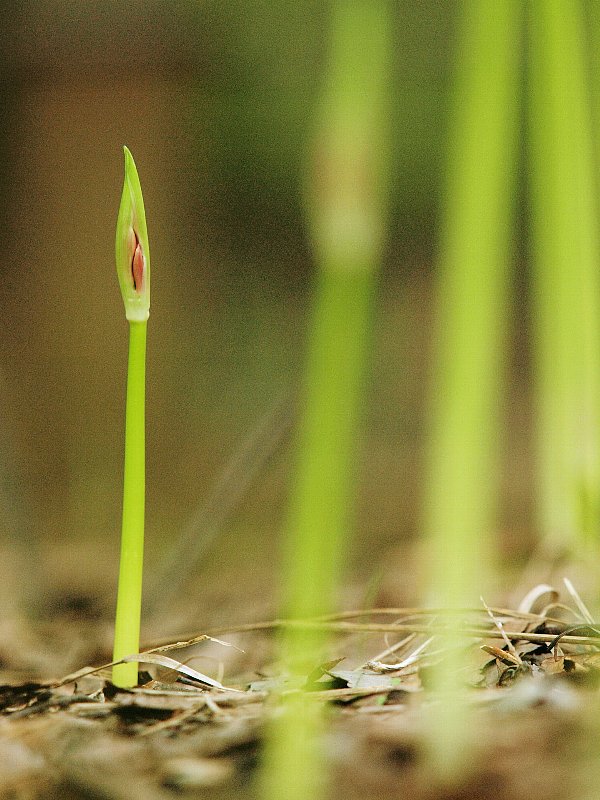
<point x="346" y="204"/>
<point x="472" y="312"/>
<point x="566" y="285"/>
<point x="472" y="299"/>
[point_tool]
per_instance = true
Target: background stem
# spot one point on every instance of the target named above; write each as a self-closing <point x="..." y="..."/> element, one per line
<point x="566" y="290"/>
<point x="473" y="307"/>
<point x="346" y="201"/>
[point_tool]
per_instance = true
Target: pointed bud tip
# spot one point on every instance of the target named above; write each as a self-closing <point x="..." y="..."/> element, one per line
<point x="128" y="156"/>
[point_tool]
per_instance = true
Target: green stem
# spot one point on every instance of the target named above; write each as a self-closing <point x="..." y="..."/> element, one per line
<point x="566" y="290"/>
<point x="129" y="596"/>
<point x="473" y="303"/>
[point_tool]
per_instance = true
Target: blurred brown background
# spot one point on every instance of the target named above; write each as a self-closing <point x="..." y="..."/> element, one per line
<point x="214" y="99"/>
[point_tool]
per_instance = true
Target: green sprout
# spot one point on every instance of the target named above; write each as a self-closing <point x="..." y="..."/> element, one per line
<point x="133" y="270"/>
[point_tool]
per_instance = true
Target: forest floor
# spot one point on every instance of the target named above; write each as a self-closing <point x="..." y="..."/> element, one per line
<point x="527" y="719"/>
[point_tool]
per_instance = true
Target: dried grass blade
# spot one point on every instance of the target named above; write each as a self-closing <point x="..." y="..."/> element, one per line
<point x="532" y="598"/>
<point x="500" y="626"/>
<point x="171" y="663"/>
<point x="583" y="610"/>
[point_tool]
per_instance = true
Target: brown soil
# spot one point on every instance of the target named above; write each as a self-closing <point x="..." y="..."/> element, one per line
<point x="527" y="723"/>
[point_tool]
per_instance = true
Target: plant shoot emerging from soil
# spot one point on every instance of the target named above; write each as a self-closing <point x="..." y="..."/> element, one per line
<point x="346" y="204"/>
<point x="473" y="307"/>
<point x="133" y="270"/>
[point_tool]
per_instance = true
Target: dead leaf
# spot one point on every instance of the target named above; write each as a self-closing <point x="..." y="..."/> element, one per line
<point x="171" y="663"/>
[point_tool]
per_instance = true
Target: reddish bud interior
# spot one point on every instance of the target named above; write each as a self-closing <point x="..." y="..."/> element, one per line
<point x="137" y="266"/>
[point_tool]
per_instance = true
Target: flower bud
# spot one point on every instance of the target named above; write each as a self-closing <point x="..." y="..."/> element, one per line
<point x="131" y="246"/>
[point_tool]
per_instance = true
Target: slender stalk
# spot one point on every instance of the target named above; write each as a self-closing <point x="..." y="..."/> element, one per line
<point x="129" y="597"/>
<point x="321" y="509"/>
<point x="346" y="204"/>
<point x="133" y="270"/>
<point x="472" y="309"/>
<point x="472" y="299"/>
<point x="566" y="276"/>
